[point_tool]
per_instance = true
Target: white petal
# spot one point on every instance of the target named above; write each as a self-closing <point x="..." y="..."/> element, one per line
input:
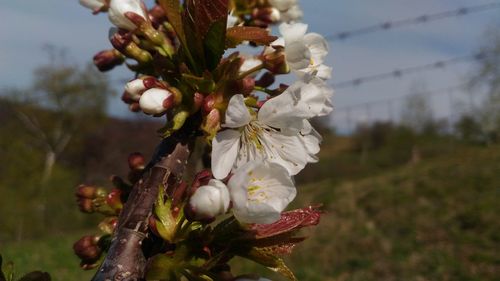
<point x="293" y="32"/>
<point x="117" y="10"/>
<point x="92" y="4"/>
<point x="324" y="72"/>
<point x="285" y="150"/>
<point x="237" y="114"/>
<point x="260" y="192"/>
<point x="297" y="55"/>
<point x="293" y="14"/>
<point x="318" y="47"/>
<point x="224" y="152"/>
<point x="151" y="101"/>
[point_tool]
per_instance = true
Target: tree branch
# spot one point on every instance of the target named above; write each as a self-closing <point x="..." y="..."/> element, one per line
<point x="125" y="259"/>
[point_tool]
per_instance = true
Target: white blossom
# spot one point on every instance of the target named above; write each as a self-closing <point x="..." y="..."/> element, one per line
<point x="260" y="191"/>
<point x="152" y="101"/>
<point x="305" y="53"/>
<point x="232" y="20"/>
<point x="118" y="8"/>
<point x="210" y="200"/>
<point x="276" y="133"/>
<point x="94" y="5"/>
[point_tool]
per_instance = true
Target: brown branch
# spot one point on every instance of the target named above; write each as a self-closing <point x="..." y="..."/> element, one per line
<point x="125" y="259"/>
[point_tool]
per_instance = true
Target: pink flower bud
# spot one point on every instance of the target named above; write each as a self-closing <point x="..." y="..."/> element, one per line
<point x="210" y="200"/>
<point x="153" y="101"/>
<point x="108" y="59"/>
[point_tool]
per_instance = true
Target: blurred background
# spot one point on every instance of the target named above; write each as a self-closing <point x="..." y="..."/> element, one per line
<point x="410" y="164"/>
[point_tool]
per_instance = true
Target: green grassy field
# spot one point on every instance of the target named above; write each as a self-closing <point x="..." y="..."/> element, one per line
<point x="436" y="220"/>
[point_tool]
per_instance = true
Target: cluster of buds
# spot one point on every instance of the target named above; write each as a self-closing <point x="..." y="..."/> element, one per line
<point x="91" y="199"/>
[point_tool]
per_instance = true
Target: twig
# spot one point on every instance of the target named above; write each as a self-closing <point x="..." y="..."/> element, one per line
<point x="125" y="259"/>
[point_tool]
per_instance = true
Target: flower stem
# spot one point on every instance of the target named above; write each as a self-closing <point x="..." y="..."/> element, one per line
<point x="251" y="71"/>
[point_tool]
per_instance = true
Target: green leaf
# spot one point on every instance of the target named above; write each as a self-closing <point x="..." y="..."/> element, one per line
<point x="237" y="34"/>
<point x="214" y="44"/>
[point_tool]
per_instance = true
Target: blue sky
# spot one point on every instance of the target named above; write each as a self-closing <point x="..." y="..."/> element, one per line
<point x="28" y="25"/>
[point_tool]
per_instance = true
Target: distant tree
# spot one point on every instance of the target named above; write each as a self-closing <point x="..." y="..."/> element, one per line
<point x="72" y="98"/>
<point x="417" y="111"/>
<point x="487" y="77"/>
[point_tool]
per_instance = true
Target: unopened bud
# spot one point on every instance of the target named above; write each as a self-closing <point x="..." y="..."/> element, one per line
<point x="198" y="99"/>
<point x="135" y="88"/>
<point x="247" y="85"/>
<point x="86" y="191"/>
<point x="201" y="178"/>
<point x="108" y="59"/>
<point x="157" y="15"/>
<point x="108" y="225"/>
<point x="95" y="5"/>
<point x="134" y="107"/>
<point x="85" y="205"/>
<point x="210" y="200"/>
<point x="114" y="200"/>
<point x="87" y="249"/>
<point x="136" y="161"/>
<point x="118" y="9"/>
<point x="156" y="101"/>
<point x="275" y="61"/>
<point x="212" y="123"/>
<point x="267" y="15"/>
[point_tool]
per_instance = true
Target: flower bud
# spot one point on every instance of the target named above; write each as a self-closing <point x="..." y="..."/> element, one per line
<point x="87" y="250"/>
<point x="212" y="123"/>
<point x="157" y="15"/>
<point x="136" y="161"/>
<point x="267" y="15"/>
<point x="247" y="85"/>
<point x="86" y="191"/>
<point x="108" y="225"/>
<point x="275" y="61"/>
<point x="118" y="9"/>
<point x="210" y="200"/>
<point x="95" y="5"/>
<point x="201" y="178"/>
<point x="108" y="59"/>
<point x="85" y="205"/>
<point x="114" y="200"/>
<point x="135" y="88"/>
<point x="156" y="101"/>
<point x="134" y="107"/>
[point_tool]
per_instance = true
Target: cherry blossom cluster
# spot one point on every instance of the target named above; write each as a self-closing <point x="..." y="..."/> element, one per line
<point x="189" y="70"/>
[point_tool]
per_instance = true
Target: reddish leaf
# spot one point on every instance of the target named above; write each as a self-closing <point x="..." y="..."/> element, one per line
<point x="237" y="34"/>
<point x="208" y="12"/>
<point x="289" y="221"/>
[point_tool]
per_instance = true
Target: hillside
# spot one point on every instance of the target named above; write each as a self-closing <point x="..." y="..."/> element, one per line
<point x="438" y="220"/>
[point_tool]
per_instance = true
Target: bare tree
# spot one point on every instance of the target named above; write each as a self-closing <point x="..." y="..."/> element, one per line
<point x="487" y="78"/>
